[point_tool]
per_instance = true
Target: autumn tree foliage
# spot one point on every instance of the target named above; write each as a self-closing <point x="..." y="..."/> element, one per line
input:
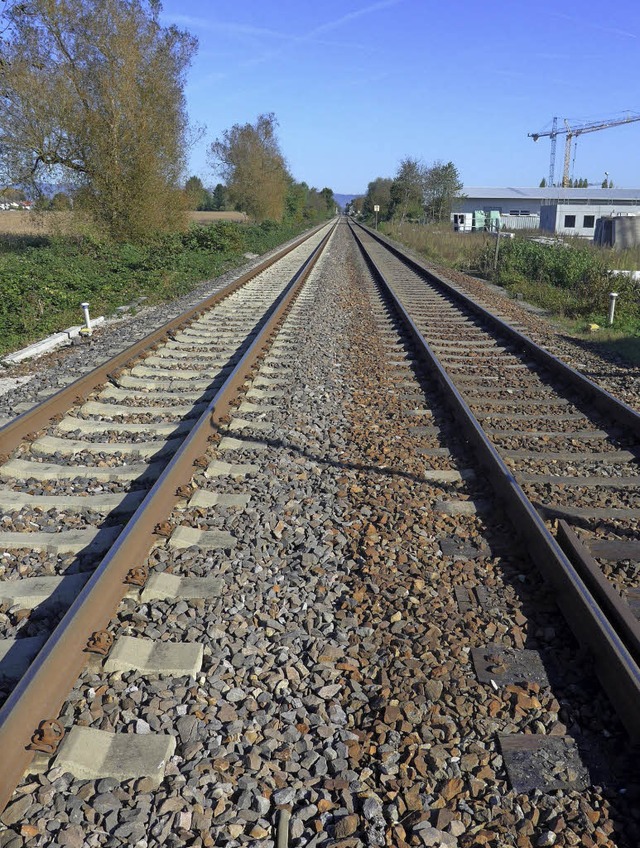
<point x="248" y="158"/>
<point x="91" y="93"/>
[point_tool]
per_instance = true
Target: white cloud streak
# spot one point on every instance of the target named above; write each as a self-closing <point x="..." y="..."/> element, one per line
<point x="583" y="22"/>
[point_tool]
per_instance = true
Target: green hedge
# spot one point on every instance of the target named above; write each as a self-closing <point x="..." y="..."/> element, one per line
<point x="573" y="280"/>
<point x="44" y="280"/>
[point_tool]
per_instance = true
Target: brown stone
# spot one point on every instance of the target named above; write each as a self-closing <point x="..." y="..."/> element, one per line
<point x="452" y="788"/>
<point x="412" y="799"/>
<point x="259" y="832"/>
<point x="15" y="812"/>
<point x="347" y="826"/>
<point x="445" y="816"/>
<point x="227" y="713"/>
<point x="28" y="831"/>
<point x="392" y="715"/>
<point x="420" y="765"/>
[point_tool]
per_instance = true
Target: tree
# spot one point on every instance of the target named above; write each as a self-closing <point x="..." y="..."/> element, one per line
<point x="543" y="183"/>
<point x="92" y="90"/>
<point x="378" y="194"/>
<point x="442" y="186"/>
<point x="296" y="200"/>
<point x="248" y="158"/>
<point x="61" y="202"/>
<point x="354" y="207"/>
<point x="328" y="199"/>
<point x="308" y="205"/>
<point x="195" y="193"/>
<point x="219" y="198"/>
<point x="407" y="190"/>
<point x="12" y="195"/>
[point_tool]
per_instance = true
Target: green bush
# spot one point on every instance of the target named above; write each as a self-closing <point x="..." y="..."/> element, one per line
<point x="571" y="279"/>
<point x="221" y="236"/>
<point x="44" y="280"/>
<point x="564" y="265"/>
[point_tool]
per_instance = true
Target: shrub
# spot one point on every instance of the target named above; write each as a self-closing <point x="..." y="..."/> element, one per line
<point x="44" y="280"/>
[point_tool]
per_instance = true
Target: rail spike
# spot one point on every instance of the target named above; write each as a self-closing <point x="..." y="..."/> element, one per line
<point x="137" y="576"/>
<point x="47" y="738"/>
<point x="100" y="642"/>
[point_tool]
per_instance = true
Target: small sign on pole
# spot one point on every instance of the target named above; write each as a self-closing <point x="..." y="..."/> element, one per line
<point x="376" y="209"/>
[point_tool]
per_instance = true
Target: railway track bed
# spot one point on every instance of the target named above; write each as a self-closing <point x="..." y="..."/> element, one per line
<point x="365" y="654"/>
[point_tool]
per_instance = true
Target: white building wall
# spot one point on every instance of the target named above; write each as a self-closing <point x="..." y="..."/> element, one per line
<point x="503" y="205"/>
<point x="577" y="219"/>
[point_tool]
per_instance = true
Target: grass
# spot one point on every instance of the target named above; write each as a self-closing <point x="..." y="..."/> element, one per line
<point x="44" y="278"/>
<point x="571" y="279"/>
<point x="622" y="341"/>
<point x="440" y="244"/>
<point x="63" y="223"/>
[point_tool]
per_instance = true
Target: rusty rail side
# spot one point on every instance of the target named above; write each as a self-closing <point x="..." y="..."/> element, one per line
<point x="618" y="609"/>
<point x="42" y="691"/>
<point x="615" y="665"/>
<point x="41" y="416"/>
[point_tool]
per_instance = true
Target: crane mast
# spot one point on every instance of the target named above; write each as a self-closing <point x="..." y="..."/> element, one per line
<point x="572" y="132"/>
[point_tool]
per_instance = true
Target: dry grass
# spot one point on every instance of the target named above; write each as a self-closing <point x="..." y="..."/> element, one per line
<point x="439" y="243"/>
<point x="35" y="223"/>
<point x="62" y="223"/>
<point x="209" y="217"/>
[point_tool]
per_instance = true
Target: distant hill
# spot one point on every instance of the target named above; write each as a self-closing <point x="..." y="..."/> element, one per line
<point x="343" y="199"/>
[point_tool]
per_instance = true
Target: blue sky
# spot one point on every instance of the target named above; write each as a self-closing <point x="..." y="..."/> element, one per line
<point x="356" y="85"/>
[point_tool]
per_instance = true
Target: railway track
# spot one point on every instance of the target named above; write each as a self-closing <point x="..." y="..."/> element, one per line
<point x="98" y="483"/>
<point x="326" y="645"/>
<point x="556" y="447"/>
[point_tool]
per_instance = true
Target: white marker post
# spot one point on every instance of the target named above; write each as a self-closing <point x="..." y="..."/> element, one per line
<point x="376" y="209"/>
<point x="613" y="296"/>
<point x="86" y="330"/>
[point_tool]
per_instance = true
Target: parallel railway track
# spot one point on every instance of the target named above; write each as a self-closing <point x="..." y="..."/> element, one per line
<point x="111" y="467"/>
<point x="555" y="447"/>
<point x="298" y="633"/>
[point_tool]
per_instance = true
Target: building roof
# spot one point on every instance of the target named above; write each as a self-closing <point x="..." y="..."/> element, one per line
<point x="596" y="195"/>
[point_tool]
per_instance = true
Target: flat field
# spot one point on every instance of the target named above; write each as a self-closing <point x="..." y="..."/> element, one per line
<point x="35" y="223"/>
<point x="61" y="223"/>
<point x="210" y="217"/>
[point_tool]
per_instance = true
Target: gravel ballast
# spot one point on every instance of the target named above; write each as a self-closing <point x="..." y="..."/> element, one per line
<point x="338" y="701"/>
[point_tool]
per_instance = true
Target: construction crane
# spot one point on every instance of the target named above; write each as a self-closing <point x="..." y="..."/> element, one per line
<point x="572" y="132"/>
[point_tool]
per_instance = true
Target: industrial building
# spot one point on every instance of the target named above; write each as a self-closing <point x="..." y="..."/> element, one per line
<point x="566" y="211"/>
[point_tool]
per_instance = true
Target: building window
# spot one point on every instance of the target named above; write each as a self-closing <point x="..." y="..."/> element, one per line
<point x="589" y="221"/>
<point x="569" y="221"/>
<point x="525" y="212"/>
<point x="514" y="212"/>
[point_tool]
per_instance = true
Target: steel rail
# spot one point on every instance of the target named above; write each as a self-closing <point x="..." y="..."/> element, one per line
<point x="42" y="691"/>
<point x="616" y="664"/>
<point x="42" y="415"/>
<point x="601" y="398"/>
